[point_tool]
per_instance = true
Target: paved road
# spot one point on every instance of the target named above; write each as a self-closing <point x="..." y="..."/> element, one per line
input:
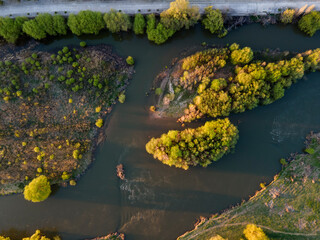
<point x="232" y="7"/>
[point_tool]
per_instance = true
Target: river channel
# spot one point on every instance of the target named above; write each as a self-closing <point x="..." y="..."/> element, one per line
<point x="156" y="201"/>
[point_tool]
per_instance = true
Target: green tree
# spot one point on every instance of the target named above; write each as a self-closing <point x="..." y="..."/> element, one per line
<point x="37" y="190"/>
<point x="33" y="29"/>
<point x="130" y="60"/>
<point x="252" y="232"/>
<point x="11" y="29"/>
<point x="59" y="25"/>
<point x="310" y="23"/>
<point x="213" y="21"/>
<point x="117" y="21"/>
<point x="160" y="34"/>
<point x="139" y="24"/>
<point x="86" y="22"/>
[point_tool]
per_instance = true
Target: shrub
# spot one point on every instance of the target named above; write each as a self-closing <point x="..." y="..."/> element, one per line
<point x="83" y="44"/>
<point x="139" y="24"/>
<point x="86" y="22"/>
<point x="213" y="21"/>
<point x="310" y="23"/>
<point x="287" y="16"/>
<point x="158" y="91"/>
<point x="99" y="123"/>
<point x="252" y="232"/>
<point x="192" y="147"/>
<point x="122" y="98"/>
<point x="117" y="21"/>
<point x="130" y="60"/>
<point x="241" y="56"/>
<point x="37" y="190"/>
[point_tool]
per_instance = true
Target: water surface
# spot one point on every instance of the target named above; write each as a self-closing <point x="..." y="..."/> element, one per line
<point x="156" y="201"/>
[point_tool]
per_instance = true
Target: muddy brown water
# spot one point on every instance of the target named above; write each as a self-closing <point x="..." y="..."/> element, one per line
<point x="156" y="201"/>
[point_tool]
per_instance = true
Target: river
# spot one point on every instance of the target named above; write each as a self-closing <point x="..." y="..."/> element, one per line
<point x="156" y="201"/>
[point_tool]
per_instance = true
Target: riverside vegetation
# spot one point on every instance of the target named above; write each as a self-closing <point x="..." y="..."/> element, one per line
<point x="39" y="236"/>
<point x="286" y="209"/>
<point x="180" y="15"/>
<point x="219" y="81"/>
<point x="52" y="105"/>
<point x="195" y="146"/>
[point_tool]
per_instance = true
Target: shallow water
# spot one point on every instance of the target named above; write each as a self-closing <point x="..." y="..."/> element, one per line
<point x="156" y="201"/>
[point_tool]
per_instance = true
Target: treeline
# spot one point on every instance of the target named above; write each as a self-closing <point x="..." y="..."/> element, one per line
<point x="159" y="29"/>
<point x="244" y="86"/>
<point x="179" y="16"/>
<point x="192" y="147"/>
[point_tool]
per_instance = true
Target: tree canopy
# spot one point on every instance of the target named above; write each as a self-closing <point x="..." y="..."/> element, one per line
<point x="310" y="23"/>
<point x="86" y="22"/>
<point x="213" y="21"/>
<point x="192" y="147"/>
<point x="11" y="29"/>
<point x="117" y="21"/>
<point x="38" y="189"/>
<point x="139" y="24"/>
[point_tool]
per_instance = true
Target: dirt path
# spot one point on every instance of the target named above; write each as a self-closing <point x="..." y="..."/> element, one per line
<point x="232" y="7"/>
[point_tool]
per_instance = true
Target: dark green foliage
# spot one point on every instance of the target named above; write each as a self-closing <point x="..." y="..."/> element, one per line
<point x="11" y="29"/>
<point x="45" y="24"/>
<point x="86" y="22"/>
<point x="213" y="21"/>
<point x="192" y="147"/>
<point x="310" y="23"/>
<point x="139" y="24"/>
<point x="160" y="34"/>
<point x="117" y="21"/>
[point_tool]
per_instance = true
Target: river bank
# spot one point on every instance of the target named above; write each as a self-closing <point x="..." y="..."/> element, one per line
<point x="230" y="7"/>
<point x="288" y="208"/>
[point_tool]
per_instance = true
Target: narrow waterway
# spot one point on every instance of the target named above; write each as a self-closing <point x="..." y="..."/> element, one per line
<point x="156" y="201"/>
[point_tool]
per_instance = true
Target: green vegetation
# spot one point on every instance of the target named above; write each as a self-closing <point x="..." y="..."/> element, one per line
<point x="287" y="16"/>
<point x="213" y="21"/>
<point x="37" y="190"/>
<point x="192" y="147"/>
<point x="286" y="209"/>
<point x="49" y="112"/>
<point x="139" y="24"/>
<point x="86" y="22"/>
<point x="117" y="21"/>
<point x="10" y="29"/>
<point x="45" y="24"/>
<point x="130" y="60"/>
<point x="212" y="85"/>
<point x="83" y="44"/>
<point x="310" y="23"/>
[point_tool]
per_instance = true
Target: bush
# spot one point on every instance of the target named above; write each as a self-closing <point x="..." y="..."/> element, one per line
<point x="310" y="23"/>
<point x="130" y="60"/>
<point x="252" y="232"/>
<point x="213" y="21"/>
<point x="11" y="29"/>
<point x="99" y="123"/>
<point x="287" y="16"/>
<point x="117" y="21"/>
<point x="122" y="98"/>
<point x="83" y="44"/>
<point x="139" y="24"/>
<point x="37" y="190"/>
<point x="192" y="147"/>
<point x="241" y="56"/>
<point x="86" y="22"/>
